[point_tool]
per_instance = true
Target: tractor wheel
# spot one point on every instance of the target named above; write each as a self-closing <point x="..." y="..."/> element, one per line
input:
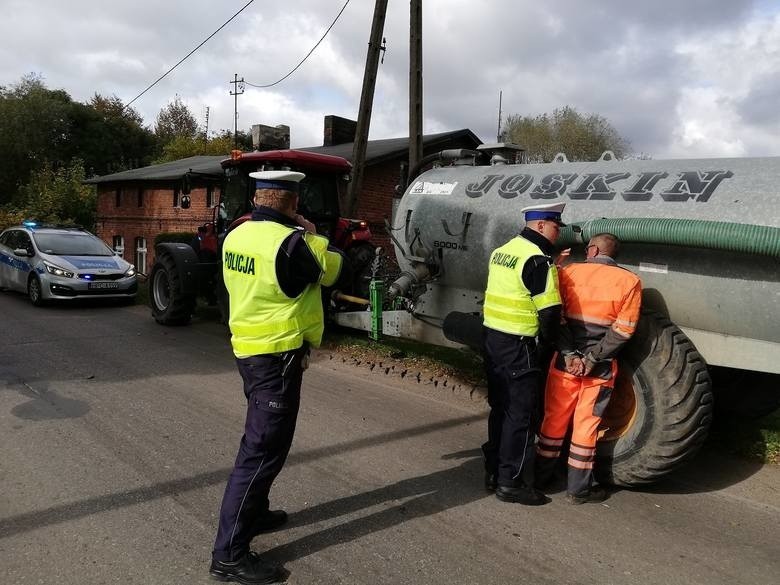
<point x="169" y="305"/>
<point x="661" y="408"/>
<point x="34" y="291"/>
<point x="360" y="257"/>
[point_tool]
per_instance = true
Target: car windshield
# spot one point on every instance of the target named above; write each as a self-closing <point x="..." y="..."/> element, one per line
<point x="74" y="244"/>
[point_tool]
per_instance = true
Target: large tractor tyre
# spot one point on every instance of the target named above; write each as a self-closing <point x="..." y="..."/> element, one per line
<point x="361" y="257"/>
<point x="170" y="306"/>
<point x="661" y="408"/>
<point x="35" y="290"/>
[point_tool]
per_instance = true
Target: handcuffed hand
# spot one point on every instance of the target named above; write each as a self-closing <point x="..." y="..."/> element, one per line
<point x="588" y="363"/>
<point x="574" y="364"/>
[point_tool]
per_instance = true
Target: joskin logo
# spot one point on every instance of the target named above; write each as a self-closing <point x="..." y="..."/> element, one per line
<point x="696" y="185"/>
<point x="240" y="263"/>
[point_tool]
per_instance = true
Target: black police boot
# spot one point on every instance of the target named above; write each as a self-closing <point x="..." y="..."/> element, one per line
<point x="491" y="481"/>
<point x="269" y="521"/>
<point x="248" y="570"/>
<point x="594" y="496"/>
<point x="524" y="495"/>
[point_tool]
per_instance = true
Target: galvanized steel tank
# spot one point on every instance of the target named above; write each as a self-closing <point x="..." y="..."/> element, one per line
<point x="722" y="289"/>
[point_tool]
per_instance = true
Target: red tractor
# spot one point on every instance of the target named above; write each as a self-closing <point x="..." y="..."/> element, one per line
<point x="182" y="272"/>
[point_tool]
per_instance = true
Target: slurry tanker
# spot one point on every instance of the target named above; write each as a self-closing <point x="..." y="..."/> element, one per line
<point x="703" y="235"/>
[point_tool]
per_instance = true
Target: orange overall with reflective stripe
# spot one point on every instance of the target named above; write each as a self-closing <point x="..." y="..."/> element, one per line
<point x="599" y="298"/>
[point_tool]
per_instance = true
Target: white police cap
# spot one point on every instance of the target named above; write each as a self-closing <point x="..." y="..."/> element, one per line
<point x="285" y="180"/>
<point x="547" y="212"/>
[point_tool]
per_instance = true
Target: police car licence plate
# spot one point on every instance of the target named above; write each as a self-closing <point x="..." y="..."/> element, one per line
<point x="102" y="285"/>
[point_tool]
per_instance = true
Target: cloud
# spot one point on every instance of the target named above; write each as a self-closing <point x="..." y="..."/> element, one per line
<point x="697" y="77"/>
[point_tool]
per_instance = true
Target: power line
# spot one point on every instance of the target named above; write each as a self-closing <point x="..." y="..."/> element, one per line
<point x="307" y="54"/>
<point x="188" y="54"/>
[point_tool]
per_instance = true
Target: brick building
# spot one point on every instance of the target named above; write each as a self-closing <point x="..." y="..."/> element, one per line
<point x="134" y="206"/>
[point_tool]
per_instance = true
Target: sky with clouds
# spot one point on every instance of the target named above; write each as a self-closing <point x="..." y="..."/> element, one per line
<point x="677" y="78"/>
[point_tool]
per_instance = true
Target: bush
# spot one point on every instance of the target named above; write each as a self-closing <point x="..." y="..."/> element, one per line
<point x="176" y="237"/>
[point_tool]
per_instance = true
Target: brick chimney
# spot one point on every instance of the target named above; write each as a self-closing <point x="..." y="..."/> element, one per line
<point x="270" y="137"/>
<point x="338" y="130"/>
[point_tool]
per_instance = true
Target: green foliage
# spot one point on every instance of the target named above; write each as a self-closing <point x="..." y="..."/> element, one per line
<point x="40" y="127"/>
<point x="174" y="237"/>
<point x="10" y="217"/>
<point x="581" y="138"/>
<point x="58" y="196"/>
<point x="221" y="145"/>
<point x="175" y="121"/>
<point x="186" y="146"/>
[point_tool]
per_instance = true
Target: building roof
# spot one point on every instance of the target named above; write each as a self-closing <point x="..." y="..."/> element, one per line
<point x="376" y="151"/>
<point x="381" y="150"/>
<point x="170" y="171"/>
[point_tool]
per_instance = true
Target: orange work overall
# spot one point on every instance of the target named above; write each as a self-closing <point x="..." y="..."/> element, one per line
<point x="581" y="399"/>
<point x="599" y="299"/>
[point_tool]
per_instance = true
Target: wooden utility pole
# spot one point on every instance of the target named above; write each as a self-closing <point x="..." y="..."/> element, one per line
<point x="415" y="83"/>
<point x="238" y="85"/>
<point x="375" y="47"/>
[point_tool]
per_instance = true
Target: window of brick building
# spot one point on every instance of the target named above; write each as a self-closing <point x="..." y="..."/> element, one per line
<point x="176" y="197"/>
<point x="140" y="197"/>
<point x="118" y="195"/>
<point x="140" y="254"/>
<point x="210" y="202"/>
<point x="119" y="245"/>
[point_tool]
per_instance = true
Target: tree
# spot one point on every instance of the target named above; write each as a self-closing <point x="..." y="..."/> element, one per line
<point x="40" y="127"/>
<point x="34" y="128"/>
<point x="175" y="120"/>
<point x="59" y="196"/>
<point x="186" y="146"/>
<point x="581" y="138"/>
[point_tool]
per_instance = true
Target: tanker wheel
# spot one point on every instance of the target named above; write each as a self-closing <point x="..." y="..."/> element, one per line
<point x="360" y="259"/>
<point x="661" y="408"/>
<point x="170" y="306"/>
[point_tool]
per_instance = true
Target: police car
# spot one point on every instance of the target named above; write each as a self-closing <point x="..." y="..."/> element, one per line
<point x="49" y="262"/>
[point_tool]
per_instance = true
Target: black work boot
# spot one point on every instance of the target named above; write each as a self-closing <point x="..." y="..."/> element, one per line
<point x="491" y="481"/>
<point x="594" y="496"/>
<point x="248" y="570"/>
<point x="524" y="495"/>
<point x="269" y="521"/>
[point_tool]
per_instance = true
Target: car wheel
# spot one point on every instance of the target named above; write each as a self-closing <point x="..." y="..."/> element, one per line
<point x="35" y="290"/>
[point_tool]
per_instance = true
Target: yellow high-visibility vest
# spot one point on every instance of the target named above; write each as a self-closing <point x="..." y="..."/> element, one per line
<point x="262" y="318"/>
<point x="509" y="306"/>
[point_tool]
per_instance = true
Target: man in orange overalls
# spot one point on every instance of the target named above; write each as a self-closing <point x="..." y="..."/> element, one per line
<point x="601" y="303"/>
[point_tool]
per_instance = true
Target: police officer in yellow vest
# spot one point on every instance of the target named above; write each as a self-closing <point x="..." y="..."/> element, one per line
<point x="522" y="303"/>
<point x="273" y="267"/>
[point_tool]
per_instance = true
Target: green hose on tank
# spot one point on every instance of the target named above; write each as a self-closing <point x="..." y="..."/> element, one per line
<point x="695" y="233"/>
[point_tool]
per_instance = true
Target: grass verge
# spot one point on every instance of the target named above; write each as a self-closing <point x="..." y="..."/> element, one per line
<point x="758" y="440"/>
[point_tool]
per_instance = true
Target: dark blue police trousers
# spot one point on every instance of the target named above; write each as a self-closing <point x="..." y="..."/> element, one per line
<point x="272" y="385"/>
<point x="514" y="390"/>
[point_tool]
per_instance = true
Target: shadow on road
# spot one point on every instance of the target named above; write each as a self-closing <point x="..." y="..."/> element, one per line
<point x="422" y="496"/>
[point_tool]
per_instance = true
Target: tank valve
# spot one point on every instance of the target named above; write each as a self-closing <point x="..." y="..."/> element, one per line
<point x="408" y="279"/>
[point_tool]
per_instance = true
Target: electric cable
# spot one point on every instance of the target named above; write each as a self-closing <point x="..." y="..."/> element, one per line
<point x="127" y="105"/>
<point x="307" y="54"/>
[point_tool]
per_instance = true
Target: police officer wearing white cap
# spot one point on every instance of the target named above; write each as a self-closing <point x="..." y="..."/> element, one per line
<point x="522" y="303"/>
<point x="273" y="268"/>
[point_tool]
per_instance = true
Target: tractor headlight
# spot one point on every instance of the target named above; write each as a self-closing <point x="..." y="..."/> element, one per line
<point x="57" y="271"/>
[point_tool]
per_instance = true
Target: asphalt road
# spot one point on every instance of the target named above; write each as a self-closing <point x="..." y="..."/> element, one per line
<point x="118" y="435"/>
